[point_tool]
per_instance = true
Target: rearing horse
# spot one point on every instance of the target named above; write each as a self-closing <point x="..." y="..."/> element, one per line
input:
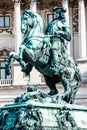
<point x="35" y="51"/>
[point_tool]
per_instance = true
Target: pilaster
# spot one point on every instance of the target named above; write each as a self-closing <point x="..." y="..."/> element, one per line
<point x="18" y="76"/>
<point x="65" y="4"/>
<point x="17" y="25"/>
<point x="33" y="5"/>
<point x="82" y="29"/>
<point x="82" y="61"/>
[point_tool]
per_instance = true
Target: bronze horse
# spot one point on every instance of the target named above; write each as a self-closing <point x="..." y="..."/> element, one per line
<point x="35" y="51"/>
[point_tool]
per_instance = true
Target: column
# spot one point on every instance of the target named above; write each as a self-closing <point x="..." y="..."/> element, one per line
<point x="82" y="29"/>
<point x="33" y="5"/>
<point x="82" y="61"/>
<point x="18" y="77"/>
<point x="17" y="25"/>
<point x="65" y="4"/>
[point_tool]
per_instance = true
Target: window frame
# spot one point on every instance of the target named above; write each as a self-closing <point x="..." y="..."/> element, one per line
<point x="50" y="14"/>
<point x="10" y="22"/>
<point x="4" y="68"/>
<point x="4" y="21"/>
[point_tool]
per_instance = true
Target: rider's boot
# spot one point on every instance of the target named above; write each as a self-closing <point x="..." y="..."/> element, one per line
<point x="54" y="62"/>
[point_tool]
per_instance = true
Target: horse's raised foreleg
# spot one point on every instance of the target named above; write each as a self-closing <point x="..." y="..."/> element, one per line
<point x="16" y="57"/>
<point x="8" y="60"/>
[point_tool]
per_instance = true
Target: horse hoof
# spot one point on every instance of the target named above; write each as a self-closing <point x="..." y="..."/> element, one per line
<point x="8" y="72"/>
<point x="53" y="92"/>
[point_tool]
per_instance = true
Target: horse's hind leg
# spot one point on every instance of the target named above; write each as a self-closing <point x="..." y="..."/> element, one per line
<point x="51" y="84"/>
<point x="65" y="82"/>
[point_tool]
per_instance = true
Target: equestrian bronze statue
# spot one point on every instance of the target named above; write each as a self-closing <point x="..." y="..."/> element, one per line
<point x="45" y="48"/>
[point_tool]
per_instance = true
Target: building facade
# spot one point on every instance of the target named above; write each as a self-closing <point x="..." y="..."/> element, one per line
<point x="11" y="36"/>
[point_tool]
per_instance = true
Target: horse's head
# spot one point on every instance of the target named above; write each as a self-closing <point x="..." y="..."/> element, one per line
<point x="30" y="20"/>
<point x="26" y="22"/>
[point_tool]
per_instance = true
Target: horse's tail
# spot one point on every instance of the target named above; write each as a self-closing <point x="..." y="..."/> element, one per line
<point x="78" y="77"/>
<point x="76" y="83"/>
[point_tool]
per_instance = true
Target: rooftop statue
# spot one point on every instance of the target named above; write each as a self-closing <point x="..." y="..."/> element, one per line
<point x="45" y="49"/>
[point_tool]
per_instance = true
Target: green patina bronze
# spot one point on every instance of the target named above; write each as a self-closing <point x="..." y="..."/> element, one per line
<point x="36" y="110"/>
<point x="45" y="48"/>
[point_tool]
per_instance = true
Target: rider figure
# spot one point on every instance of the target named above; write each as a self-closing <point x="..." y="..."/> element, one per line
<point x="58" y="31"/>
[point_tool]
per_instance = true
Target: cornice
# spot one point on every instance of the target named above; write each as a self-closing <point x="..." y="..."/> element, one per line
<point x="41" y="4"/>
<point x="45" y="5"/>
<point x="4" y="8"/>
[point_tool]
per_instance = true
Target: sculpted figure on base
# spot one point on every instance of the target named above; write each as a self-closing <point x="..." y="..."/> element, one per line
<point x="46" y="51"/>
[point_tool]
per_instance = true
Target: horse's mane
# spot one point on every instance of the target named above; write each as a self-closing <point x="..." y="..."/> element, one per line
<point x="39" y="19"/>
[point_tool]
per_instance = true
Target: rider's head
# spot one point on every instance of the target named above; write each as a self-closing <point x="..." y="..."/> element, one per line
<point x="59" y="11"/>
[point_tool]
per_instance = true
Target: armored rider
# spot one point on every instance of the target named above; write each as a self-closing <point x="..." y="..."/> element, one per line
<point x="59" y="32"/>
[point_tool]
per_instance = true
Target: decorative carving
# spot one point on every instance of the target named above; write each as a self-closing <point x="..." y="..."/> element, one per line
<point x="7" y="30"/>
<point x="65" y="120"/>
<point x="16" y="1"/>
<point x="4" y="52"/>
<point x="74" y="5"/>
<point x="22" y="118"/>
<point x="4" y="8"/>
<point x="32" y="111"/>
<point x="50" y="4"/>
